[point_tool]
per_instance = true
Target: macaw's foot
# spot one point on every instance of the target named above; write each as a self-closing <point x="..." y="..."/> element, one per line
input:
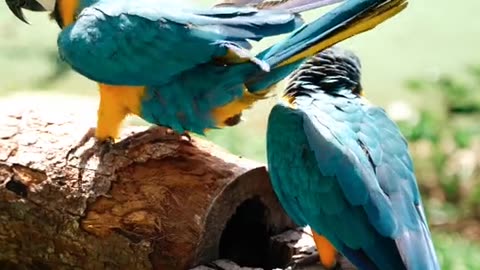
<point x="186" y="136"/>
<point x="303" y="261"/>
<point x="100" y="148"/>
<point x="341" y="263"/>
<point x="183" y="136"/>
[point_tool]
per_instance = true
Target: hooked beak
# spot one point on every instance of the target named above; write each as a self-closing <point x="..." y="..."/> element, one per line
<point x="16" y="7"/>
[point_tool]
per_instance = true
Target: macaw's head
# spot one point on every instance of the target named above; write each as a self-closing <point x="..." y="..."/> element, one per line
<point x="331" y="70"/>
<point x="17" y="6"/>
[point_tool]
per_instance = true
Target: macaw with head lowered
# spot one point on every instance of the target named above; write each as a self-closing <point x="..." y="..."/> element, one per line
<point x="341" y="166"/>
<point x="191" y="69"/>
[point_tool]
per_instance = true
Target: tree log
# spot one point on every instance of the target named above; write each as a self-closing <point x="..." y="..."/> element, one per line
<point x="153" y="201"/>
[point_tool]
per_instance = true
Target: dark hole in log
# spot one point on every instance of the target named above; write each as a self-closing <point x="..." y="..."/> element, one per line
<point x="246" y="237"/>
<point x="8" y="265"/>
<point x="38" y="265"/>
<point x="35" y="265"/>
<point x="17" y="187"/>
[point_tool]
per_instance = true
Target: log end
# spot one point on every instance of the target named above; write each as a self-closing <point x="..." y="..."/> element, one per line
<point x="248" y="214"/>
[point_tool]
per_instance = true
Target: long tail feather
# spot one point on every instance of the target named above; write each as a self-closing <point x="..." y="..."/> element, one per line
<point x="416" y="247"/>
<point x="349" y="19"/>
<point x="294" y="6"/>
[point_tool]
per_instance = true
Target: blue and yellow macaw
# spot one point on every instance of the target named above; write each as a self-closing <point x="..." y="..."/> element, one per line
<point x="191" y="69"/>
<point x="341" y="166"/>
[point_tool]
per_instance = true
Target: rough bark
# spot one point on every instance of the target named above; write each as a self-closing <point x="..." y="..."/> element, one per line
<point x="154" y="201"/>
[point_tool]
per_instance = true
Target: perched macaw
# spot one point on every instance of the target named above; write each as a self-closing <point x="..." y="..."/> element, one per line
<point x="191" y="69"/>
<point x="341" y="166"/>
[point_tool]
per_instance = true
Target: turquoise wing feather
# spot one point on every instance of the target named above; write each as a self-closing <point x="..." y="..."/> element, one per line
<point x="341" y="165"/>
<point x="147" y="42"/>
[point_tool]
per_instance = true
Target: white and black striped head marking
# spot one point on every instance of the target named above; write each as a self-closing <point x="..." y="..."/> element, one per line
<point x="331" y="70"/>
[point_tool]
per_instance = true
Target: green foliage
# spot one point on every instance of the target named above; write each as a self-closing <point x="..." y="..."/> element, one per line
<point x="447" y="172"/>
<point x="427" y="128"/>
<point x="463" y="138"/>
<point x="456" y="253"/>
<point x="234" y="139"/>
<point x="59" y="70"/>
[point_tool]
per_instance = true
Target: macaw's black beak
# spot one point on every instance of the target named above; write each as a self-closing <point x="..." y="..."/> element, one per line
<point x="16" y="7"/>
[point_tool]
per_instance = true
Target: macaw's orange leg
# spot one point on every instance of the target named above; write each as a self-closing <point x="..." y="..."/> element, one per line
<point x="116" y="102"/>
<point x="326" y="250"/>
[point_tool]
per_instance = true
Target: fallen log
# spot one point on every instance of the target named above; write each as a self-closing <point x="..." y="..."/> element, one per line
<point x="154" y="201"/>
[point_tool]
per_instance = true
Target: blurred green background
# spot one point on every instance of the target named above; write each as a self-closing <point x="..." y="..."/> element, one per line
<point x="423" y="66"/>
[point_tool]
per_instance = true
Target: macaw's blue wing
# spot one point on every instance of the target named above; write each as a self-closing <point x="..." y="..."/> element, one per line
<point x="342" y="166"/>
<point x="146" y="42"/>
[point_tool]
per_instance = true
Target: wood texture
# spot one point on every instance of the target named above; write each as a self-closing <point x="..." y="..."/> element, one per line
<point x="154" y="201"/>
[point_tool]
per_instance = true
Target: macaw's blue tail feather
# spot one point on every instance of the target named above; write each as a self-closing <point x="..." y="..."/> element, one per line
<point x="416" y="247"/>
<point x="349" y="19"/>
<point x="411" y="250"/>
<point x="293" y="6"/>
<point x="308" y="37"/>
<point x="381" y="255"/>
<point x="297" y="6"/>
